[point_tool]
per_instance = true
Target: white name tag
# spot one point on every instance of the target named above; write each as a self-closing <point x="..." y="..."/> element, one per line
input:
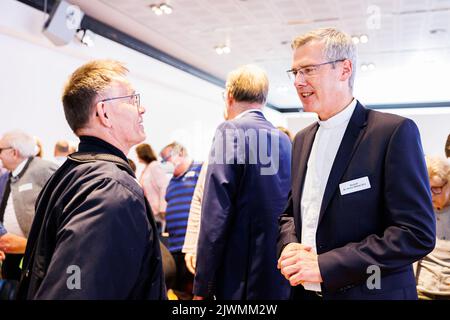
<point x="190" y="174"/>
<point x="25" y="187"/>
<point x="354" y="185"/>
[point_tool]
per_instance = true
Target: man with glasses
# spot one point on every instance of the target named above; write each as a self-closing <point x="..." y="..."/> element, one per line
<point x="28" y="175"/>
<point x="359" y="212"/>
<point x="94" y="236"/>
<point x="179" y="197"/>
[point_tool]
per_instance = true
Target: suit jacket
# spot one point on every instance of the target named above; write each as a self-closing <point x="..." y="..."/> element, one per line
<point x="242" y="201"/>
<point x="390" y="225"/>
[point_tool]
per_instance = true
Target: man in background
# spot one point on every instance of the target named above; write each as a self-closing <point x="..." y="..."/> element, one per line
<point x="246" y="187"/>
<point x="28" y="176"/>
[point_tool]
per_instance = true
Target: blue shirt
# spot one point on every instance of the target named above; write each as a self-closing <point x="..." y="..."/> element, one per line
<point x="178" y="197"/>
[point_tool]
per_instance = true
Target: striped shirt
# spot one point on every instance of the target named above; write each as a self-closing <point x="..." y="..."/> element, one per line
<point x="178" y="197"/>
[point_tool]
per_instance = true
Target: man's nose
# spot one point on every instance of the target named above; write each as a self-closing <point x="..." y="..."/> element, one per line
<point x="300" y="80"/>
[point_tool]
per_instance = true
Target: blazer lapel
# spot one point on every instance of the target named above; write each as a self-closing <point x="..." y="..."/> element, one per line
<point x="350" y="141"/>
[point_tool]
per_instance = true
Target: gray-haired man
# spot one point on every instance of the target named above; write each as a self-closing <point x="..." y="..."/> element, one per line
<point x="28" y="177"/>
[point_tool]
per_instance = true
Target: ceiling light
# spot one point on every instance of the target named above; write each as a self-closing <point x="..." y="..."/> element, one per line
<point x="222" y="49"/>
<point x="162" y="8"/>
<point x="364" y="38"/>
<point x="364" y="67"/>
<point x="156" y="9"/>
<point x="166" y="8"/>
<point x="371" y="66"/>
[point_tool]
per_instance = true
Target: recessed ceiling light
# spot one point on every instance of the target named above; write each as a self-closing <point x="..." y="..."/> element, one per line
<point x="364" y="38"/>
<point x="166" y="8"/>
<point x="355" y="39"/>
<point x="364" y="67"/>
<point x="371" y="66"/>
<point x="160" y="9"/>
<point x="219" y="50"/>
<point x="222" y="49"/>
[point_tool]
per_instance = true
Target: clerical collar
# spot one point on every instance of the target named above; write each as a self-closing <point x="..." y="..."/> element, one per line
<point x="340" y="118"/>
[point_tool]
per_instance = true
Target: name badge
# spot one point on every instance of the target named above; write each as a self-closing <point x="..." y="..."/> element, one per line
<point x="354" y="185"/>
<point x="25" y="187"/>
<point x="190" y="174"/>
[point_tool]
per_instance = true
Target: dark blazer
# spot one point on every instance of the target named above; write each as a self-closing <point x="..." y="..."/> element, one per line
<point x="236" y="256"/>
<point x="390" y="225"/>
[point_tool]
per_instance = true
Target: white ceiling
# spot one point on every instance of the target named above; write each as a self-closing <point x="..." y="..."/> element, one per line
<point x="261" y="31"/>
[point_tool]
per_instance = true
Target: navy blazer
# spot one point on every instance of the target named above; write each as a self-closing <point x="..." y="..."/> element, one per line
<point x="242" y="202"/>
<point x="390" y="225"/>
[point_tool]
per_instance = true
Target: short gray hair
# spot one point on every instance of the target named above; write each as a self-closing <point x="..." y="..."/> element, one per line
<point x="338" y="45"/>
<point x="22" y="142"/>
<point x="248" y="83"/>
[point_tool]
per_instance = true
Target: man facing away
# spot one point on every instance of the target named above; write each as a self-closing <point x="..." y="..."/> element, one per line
<point x="246" y="188"/>
<point x="360" y="203"/>
<point x="94" y="236"/>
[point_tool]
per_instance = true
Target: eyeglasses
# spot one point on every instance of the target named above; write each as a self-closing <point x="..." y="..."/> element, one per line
<point x="6" y="148"/>
<point x="135" y="99"/>
<point x="438" y="190"/>
<point x="166" y="159"/>
<point x="308" y="71"/>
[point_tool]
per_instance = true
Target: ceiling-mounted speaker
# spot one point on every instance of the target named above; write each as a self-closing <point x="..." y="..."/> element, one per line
<point x="63" y="23"/>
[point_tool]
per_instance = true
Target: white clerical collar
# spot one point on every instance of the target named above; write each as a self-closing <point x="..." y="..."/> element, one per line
<point x="340" y="118"/>
<point x="240" y="115"/>
<point x="19" y="168"/>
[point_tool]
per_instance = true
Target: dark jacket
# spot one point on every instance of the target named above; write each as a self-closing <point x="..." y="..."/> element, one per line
<point x="242" y="201"/>
<point x="389" y="225"/>
<point x="92" y="224"/>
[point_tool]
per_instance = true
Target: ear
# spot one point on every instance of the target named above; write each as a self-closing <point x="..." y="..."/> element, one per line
<point x="347" y="70"/>
<point x="101" y="115"/>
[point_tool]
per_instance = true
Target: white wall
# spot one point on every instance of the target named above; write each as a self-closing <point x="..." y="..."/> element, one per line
<point x="433" y="124"/>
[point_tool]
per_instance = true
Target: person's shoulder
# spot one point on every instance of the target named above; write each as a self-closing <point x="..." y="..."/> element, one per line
<point x="39" y="164"/>
<point x="387" y="122"/>
<point x="104" y="170"/>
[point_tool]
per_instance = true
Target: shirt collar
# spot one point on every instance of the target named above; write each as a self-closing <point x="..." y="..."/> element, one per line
<point x="19" y="168"/>
<point x="240" y="115"/>
<point x="342" y="117"/>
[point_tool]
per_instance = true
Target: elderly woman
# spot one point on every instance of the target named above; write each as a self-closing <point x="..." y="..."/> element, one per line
<point x="433" y="271"/>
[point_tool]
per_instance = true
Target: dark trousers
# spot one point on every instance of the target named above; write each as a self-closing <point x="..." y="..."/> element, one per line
<point x="184" y="279"/>
<point x="11" y="266"/>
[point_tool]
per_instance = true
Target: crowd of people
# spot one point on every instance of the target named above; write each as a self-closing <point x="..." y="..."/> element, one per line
<point x="266" y="216"/>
